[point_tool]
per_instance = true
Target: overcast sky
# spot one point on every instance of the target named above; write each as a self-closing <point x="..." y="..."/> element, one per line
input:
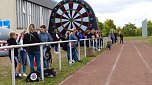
<point x="122" y="11"/>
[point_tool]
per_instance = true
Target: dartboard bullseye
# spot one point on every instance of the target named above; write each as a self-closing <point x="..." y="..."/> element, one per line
<point x="69" y="14"/>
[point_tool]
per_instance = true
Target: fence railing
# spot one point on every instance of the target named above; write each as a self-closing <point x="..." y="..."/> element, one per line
<point x="59" y="49"/>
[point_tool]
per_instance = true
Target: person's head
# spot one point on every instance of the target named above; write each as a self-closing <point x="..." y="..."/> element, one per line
<point x="43" y="28"/>
<point x="74" y="31"/>
<point x="80" y="31"/>
<point x="56" y="31"/>
<point x="31" y="28"/>
<point x="13" y="35"/>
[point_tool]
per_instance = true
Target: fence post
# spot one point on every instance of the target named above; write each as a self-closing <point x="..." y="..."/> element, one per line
<point x="59" y="45"/>
<point x="42" y="68"/>
<point x="70" y="53"/>
<point x="85" y="52"/>
<point x="93" y="45"/>
<point x="79" y="58"/>
<point x="89" y="42"/>
<point x="96" y="44"/>
<point x="99" y="44"/>
<point x="13" y="66"/>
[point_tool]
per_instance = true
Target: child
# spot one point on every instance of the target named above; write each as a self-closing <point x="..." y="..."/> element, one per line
<point x="23" y="55"/>
<point x="109" y="45"/>
<point x="12" y="41"/>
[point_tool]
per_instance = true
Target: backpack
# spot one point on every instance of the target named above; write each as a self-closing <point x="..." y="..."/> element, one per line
<point x="49" y="73"/>
<point x="33" y="77"/>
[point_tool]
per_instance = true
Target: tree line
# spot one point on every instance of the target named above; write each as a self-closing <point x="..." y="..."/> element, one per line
<point x="127" y="30"/>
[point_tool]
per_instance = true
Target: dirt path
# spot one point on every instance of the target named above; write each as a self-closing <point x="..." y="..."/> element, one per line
<point x="125" y="64"/>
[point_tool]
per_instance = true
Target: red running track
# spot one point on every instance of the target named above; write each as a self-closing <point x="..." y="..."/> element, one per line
<point x="125" y="64"/>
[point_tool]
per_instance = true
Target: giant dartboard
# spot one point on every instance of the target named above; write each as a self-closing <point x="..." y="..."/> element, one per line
<point x="69" y="14"/>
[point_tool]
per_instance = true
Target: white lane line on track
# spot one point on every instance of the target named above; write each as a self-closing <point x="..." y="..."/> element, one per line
<point x="110" y="75"/>
<point x="81" y="68"/>
<point x="142" y="58"/>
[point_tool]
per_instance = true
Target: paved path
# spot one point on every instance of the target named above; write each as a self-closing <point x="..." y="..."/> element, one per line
<point x="125" y="64"/>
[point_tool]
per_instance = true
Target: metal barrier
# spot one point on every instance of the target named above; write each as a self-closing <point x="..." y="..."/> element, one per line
<point x="59" y="47"/>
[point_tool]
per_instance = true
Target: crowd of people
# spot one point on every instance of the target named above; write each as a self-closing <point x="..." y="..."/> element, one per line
<point x="33" y="53"/>
<point x="114" y="38"/>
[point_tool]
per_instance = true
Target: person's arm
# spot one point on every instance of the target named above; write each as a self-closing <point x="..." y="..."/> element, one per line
<point x="50" y="38"/>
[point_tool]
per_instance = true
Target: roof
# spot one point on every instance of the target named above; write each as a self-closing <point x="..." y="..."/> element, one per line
<point x="46" y="3"/>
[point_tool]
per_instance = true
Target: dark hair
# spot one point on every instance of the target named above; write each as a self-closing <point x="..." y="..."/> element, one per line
<point x="43" y="26"/>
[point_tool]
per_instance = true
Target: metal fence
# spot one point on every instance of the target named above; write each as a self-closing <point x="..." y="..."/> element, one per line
<point x="100" y="46"/>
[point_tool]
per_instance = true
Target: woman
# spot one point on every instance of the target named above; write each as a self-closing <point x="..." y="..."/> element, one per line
<point x="34" y="51"/>
<point x="45" y="37"/>
<point x="56" y="38"/>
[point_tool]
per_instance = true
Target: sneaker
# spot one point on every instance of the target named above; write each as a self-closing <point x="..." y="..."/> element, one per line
<point x="56" y="52"/>
<point x="73" y="61"/>
<point x="70" y="62"/>
<point x="20" y="74"/>
<point x="24" y="75"/>
<point x="18" y="77"/>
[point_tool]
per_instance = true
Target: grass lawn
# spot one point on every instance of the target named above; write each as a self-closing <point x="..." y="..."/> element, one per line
<point x="5" y="70"/>
<point x="136" y="38"/>
<point x="149" y="41"/>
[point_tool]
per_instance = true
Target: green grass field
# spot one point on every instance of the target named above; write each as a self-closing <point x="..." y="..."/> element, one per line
<point x="136" y="38"/>
<point x="5" y="70"/>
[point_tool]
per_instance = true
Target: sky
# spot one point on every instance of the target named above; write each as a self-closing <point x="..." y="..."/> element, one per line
<point x="122" y="11"/>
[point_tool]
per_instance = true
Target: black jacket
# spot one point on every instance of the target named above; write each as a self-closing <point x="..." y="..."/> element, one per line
<point x="12" y="41"/>
<point x="30" y="38"/>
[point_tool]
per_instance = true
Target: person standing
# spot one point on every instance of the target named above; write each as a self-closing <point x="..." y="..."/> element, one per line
<point x="45" y="37"/>
<point x="115" y="34"/>
<point x="12" y="41"/>
<point x="73" y="45"/>
<point x="112" y="38"/>
<point x="56" y="38"/>
<point x="23" y="54"/>
<point x="121" y="38"/>
<point x="34" y="51"/>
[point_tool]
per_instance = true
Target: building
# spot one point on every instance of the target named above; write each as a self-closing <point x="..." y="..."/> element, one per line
<point x="21" y="13"/>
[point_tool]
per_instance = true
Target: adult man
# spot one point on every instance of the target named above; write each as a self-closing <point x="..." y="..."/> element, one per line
<point x="121" y="38"/>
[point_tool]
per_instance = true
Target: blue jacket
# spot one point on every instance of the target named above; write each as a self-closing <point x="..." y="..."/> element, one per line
<point x="45" y="37"/>
<point x="73" y="37"/>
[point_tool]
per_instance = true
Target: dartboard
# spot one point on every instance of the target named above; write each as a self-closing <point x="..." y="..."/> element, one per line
<point x="69" y="14"/>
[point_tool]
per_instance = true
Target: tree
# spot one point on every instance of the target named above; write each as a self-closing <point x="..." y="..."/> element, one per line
<point x="108" y="25"/>
<point x="149" y="27"/>
<point x="129" y="29"/>
<point x="100" y="25"/>
<point x="138" y="32"/>
<point x="118" y="29"/>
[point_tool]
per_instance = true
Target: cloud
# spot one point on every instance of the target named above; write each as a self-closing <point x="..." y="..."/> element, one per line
<point x="134" y="13"/>
<point x="111" y="6"/>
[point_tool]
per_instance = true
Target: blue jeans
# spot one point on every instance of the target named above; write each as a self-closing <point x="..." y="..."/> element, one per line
<point x="56" y="48"/>
<point x="35" y="54"/>
<point x="74" y="53"/>
<point x="68" y="52"/>
<point x="23" y="59"/>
